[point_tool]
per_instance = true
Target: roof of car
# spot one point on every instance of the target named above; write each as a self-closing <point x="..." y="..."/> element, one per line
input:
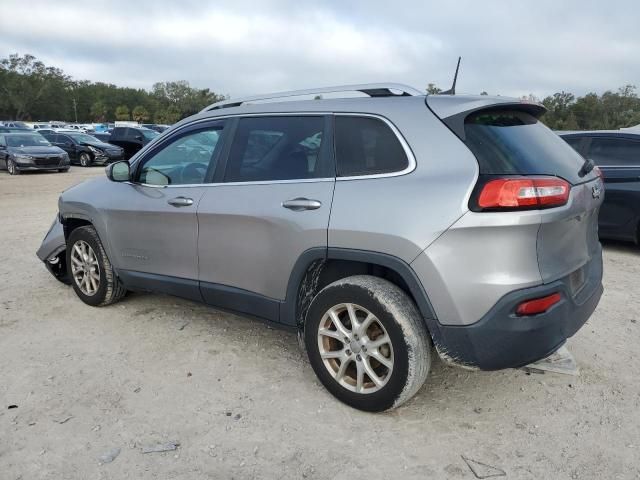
<point x="600" y="133"/>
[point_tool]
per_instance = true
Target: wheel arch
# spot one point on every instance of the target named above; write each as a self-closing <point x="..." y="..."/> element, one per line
<point x="318" y="267"/>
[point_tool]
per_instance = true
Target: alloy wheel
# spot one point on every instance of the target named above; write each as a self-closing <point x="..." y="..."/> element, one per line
<point x="355" y="348"/>
<point x="85" y="268"/>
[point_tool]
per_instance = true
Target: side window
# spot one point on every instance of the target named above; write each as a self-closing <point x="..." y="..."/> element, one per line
<point x="367" y="146"/>
<point x="614" y="151"/>
<point x="64" y="139"/>
<point x="574" y="142"/>
<point x="278" y="148"/>
<point x="119" y="132"/>
<point x="185" y="160"/>
<point x="3" y="142"/>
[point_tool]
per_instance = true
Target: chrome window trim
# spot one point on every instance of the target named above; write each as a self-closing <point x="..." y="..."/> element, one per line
<point x="618" y="166"/>
<point x="412" y="164"/>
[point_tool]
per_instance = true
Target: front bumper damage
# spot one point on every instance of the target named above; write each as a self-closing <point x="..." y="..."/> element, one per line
<point x="53" y="252"/>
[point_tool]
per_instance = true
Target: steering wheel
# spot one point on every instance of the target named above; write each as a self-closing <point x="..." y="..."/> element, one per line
<point x="193" y="173"/>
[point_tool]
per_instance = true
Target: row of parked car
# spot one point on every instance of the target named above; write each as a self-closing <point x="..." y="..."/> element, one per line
<point x="23" y="149"/>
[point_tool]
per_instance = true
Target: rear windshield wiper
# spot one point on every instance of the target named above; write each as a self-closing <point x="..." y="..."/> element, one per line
<point x="586" y="167"/>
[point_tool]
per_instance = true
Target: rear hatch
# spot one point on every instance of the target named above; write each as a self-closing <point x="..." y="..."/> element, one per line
<point x="510" y="142"/>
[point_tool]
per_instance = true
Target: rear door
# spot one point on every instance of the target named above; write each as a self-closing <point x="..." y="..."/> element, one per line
<point x="3" y="152"/>
<point x="619" y="160"/>
<point x="269" y="204"/>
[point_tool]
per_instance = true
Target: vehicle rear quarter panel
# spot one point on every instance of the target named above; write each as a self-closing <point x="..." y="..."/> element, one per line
<point x="401" y="215"/>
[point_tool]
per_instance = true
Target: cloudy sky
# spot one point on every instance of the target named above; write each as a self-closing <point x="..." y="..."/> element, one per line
<point x="241" y="47"/>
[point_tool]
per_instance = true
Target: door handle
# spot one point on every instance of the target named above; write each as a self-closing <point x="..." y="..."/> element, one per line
<point x="180" y="201"/>
<point x="299" y="204"/>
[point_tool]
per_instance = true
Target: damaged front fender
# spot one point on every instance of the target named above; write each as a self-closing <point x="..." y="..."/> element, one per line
<point x="53" y="252"/>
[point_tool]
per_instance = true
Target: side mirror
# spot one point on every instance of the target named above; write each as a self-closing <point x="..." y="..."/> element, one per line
<point x="68" y="144"/>
<point x="118" y="172"/>
<point x="139" y="137"/>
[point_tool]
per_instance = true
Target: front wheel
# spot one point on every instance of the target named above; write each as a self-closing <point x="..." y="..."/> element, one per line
<point x="90" y="270"/>
<point x="12" y="167"/>
<point x="367" y="343"/>
<point x="85" y="159"/>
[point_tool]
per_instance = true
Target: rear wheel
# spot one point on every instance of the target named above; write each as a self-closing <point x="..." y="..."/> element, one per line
<point x="85" y="159"/>
<point x="12" y="168"/>
<point x="367" y="343"/>
<point x="90" y="270"/>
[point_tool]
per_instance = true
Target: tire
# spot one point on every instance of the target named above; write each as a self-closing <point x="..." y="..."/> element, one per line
<point x="63" y="170"/>
<point x="106" y="288"/>
<point x="406" y="348"/>
<point x="85" y="159"/>
<point x="12" y="168"/>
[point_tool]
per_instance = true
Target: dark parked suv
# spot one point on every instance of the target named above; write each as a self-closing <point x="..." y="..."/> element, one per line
<point x="85" y="149"/>
<point x="617" y="153"/>
<point x="131" y="139"/>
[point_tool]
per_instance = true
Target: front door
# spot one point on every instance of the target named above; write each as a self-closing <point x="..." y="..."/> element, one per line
<point x="619" y="160"/>
<point x="152" y="223"/>
<point x="66" y="143"/>
<point x="271" y="203"/>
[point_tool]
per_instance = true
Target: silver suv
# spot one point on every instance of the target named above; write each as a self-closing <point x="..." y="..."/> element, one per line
<point x="380" y="227"/>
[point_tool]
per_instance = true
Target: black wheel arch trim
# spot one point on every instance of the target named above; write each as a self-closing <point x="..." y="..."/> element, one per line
<point x="289" y="308"/>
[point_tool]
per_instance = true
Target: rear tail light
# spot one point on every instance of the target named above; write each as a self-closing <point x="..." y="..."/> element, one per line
<point x="523" y="193"/>
<point x="537" y="305"/>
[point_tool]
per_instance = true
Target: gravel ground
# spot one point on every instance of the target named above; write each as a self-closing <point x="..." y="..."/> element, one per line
<point x="93" y="388"/>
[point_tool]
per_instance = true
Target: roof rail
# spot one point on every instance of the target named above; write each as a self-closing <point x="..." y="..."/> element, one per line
<point x="371" y="89"/>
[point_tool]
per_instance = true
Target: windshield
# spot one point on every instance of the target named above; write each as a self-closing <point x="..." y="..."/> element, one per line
<point x="83" y="138"/>
<point x="149" y="134"/>
<point x="28" y="140"/>
<point x="509" y="142"/>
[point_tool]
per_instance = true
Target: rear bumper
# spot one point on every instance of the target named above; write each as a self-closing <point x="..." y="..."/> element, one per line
<point x="502" y="339"/>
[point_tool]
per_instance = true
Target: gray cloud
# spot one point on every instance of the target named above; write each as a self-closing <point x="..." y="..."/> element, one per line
<point x="243" y="47"/>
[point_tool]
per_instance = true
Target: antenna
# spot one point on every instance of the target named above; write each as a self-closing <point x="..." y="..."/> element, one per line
<point x="452" y="90"/>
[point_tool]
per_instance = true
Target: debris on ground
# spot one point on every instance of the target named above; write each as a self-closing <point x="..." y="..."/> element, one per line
<point x="482" y="470"/>
<point x="64" y="419"/>
<point x="161" y="447"/>
<point x="109" y="456"/>
<point x="561" y="361"/>
<point x="11" y="407"/>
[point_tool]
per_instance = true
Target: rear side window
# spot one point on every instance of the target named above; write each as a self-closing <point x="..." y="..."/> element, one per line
<point x="278" y="148"/>
<point x="367" y="146"/>
<point x="119" y="132"/>
<point x="516" y="143"/>
<point x="574" y="142"/>
<point x="614" y="151"/>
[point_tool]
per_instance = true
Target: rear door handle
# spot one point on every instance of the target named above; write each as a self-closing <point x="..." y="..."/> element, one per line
<point x="299" y="204"/>
<point x="180" y="201"/>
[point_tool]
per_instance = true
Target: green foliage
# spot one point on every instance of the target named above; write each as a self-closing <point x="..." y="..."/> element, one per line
<point x="609" y="111"/>
<point x="432" y="89"/>
<point x="122" y="113"/>
<point x="140" y="114"/>
<point x="30" y="90"/>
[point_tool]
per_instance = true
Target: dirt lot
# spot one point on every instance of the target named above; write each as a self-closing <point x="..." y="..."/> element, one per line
<point x="243" y="402"/>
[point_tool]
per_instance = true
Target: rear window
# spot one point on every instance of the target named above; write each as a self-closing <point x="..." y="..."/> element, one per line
<point x="614" y="152"/>
<point x="516" y="143"/>
<point x="367" y="146"/>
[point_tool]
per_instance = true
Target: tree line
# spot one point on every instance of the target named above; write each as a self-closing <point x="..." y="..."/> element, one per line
<point x="565" y="111"/>
<point x="33" y="91"/>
